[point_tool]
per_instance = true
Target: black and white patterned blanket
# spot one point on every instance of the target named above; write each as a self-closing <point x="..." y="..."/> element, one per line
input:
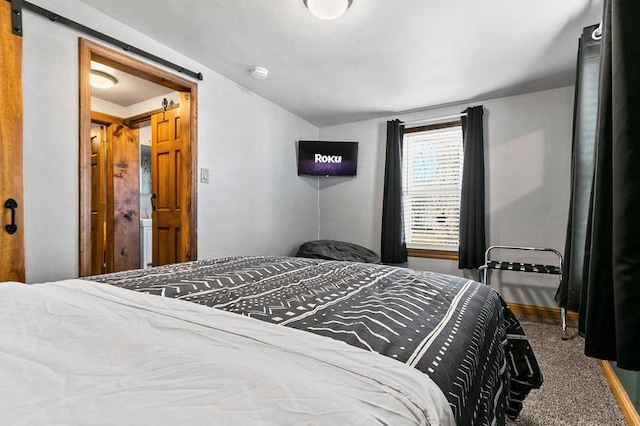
<point x="457" y="331"/>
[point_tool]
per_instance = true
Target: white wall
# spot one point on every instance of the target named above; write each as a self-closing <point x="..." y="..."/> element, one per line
<point x="147" y="105"/>
<point x="528" y="166"/>
<point x="255" y="203"/>
<point x="151" y="104"/>
<point x="106" y="107"/>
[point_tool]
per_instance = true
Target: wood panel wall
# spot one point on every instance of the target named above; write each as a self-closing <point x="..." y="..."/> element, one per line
<point x="125" y="187"/>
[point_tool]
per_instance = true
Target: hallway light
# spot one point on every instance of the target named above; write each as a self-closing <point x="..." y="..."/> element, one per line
<point x="102" y="80"/>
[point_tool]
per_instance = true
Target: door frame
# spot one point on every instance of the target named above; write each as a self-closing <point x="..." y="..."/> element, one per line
<point x="89" y="51"/>
<point x="108" y="204"/>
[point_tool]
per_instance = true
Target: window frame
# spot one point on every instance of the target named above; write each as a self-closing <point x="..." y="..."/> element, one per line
<point x="432" y="253"/>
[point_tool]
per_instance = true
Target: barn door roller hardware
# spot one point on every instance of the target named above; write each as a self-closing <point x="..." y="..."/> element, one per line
<point x="16" y="25"/>
<point x="16" y="17"/>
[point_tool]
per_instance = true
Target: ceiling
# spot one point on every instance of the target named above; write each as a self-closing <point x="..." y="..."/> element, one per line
<point x="381" y="58"/>
<point x="129" y="90"/>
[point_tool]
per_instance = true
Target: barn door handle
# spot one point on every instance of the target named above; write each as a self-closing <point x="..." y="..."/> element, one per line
<point x="12" y="205"/>
<point x="153" y="201"/>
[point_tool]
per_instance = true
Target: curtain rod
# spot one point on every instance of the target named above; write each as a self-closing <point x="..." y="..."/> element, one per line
<point x="413" y="123"/>
<point x="16" y="23"/>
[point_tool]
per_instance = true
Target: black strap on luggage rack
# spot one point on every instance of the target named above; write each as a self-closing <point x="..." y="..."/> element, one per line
<point x="553" y="269"/>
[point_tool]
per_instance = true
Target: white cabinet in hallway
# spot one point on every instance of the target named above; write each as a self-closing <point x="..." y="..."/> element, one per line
<point x="146" y="243"/>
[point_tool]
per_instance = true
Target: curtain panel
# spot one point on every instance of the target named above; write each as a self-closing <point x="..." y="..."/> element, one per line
<point x="472" y="244"/>
<point x="585" y="116"/>
<point x="393" y="246"/>
<point x="610" y="314"/>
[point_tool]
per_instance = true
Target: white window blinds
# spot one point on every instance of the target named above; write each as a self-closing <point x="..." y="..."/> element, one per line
<point x="432" y="178"/>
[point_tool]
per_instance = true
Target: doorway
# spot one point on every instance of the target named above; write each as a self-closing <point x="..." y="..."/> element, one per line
<point x="173" y="157"/>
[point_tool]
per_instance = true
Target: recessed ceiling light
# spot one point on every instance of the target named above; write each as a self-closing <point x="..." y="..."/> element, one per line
<point x="102" y="80"/>
<point x="327" y="9"/>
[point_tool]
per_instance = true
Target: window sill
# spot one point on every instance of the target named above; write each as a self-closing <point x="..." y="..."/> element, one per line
<point x="433" y="254"/>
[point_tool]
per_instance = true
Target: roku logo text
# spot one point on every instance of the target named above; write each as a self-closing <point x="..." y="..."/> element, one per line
<point x="328" y="158"/>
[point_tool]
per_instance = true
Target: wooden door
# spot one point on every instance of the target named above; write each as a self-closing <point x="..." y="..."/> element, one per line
<point x="11" y="187"/>
<point x="123" y="195"/>
<point x="170" y="174"/>
<point x="98" y="200"/>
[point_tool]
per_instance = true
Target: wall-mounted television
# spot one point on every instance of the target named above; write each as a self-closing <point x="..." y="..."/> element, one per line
<point x="324" y="158"/>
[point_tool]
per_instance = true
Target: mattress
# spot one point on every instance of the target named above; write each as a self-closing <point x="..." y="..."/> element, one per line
<point x="456" y="331"/>
<point x="80" y="353"/>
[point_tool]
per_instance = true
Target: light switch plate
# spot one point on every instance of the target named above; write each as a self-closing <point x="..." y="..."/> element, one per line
<point x="204" y="175"/>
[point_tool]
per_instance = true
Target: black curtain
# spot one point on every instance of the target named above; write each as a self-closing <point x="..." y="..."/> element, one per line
<point x="472" y="211"/>
<point x="393" y="246"/>
<point x="585" y="115"/>
<point x="610" y="316"/>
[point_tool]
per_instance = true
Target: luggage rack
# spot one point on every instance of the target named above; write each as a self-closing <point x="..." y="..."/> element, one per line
<point x="553" y="269"/>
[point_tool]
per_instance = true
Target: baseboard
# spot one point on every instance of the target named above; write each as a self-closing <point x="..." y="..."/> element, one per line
<point x="622" y="397"/>
<point x="542" y="312"/>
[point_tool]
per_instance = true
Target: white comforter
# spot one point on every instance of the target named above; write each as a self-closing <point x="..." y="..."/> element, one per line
<point x="76" y="352"/>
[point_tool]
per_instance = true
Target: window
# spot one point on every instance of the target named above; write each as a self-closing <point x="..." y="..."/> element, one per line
<point x="432" y="178"/>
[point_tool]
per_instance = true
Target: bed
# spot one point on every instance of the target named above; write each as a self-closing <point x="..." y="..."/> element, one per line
<point x="305" y="349"/>
<point x="81" y="353"/>
<point x="456" y="331"/>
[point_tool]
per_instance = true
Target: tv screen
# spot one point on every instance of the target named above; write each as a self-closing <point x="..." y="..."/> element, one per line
<point x="320" y="158"/>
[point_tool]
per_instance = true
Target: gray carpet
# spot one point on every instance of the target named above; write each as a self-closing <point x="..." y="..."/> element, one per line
<point x="574" y="391"/>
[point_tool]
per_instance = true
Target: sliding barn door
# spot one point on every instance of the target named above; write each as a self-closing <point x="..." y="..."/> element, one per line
<point x="11" y="201"/>
<point x="170" y="174"/>
<point x="124" y="193"/>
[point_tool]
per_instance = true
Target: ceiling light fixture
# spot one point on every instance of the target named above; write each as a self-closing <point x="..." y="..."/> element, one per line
<point x="327" y="9"/>
<point x="259" y="73"/>
<point x="102" y="80"/>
